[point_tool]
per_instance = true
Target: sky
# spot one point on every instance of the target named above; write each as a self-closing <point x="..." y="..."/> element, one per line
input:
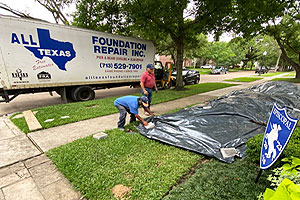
<point x="30" y="7"/>
<point x="36" y="10"/>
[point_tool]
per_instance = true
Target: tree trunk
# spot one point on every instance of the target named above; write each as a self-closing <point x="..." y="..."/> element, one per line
<point x="244" y="63"/>
<point x="298" y="69"/>
<point x="278" y="59"/>
<point x="178" y="39"/>
<point x="179" y="61"/>
<point x="285" y="57"/>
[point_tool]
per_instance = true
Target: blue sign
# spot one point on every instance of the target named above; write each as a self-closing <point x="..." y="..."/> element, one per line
<point x="278" y="132"/>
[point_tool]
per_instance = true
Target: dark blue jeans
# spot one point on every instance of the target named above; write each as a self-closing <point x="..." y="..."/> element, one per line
<point x="149" y="96"/>
<point x="123" y="112"/>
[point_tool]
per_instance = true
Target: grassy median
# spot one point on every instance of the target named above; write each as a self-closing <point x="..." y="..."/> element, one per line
<point x="243" y="79"/>
<point x="291" y="80"/>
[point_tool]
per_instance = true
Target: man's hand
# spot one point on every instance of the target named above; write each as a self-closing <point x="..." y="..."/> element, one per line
<point x="156" y="90"/>
<point x="145" y="123"/>
<point x="146" y="93"/>
<point x="142" y="120"/>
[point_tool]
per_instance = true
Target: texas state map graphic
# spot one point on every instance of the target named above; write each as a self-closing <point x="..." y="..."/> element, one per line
<point x="59" y="52"/>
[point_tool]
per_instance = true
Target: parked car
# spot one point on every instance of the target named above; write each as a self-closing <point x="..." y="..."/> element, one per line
<point x="262" y="69"/>
<point x="219" y="70"/>
<point x="188" y="76"/>
<point x="206" y="67"/>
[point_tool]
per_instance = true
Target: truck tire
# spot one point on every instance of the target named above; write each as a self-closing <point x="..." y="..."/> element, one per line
<point x="83" y="93"/>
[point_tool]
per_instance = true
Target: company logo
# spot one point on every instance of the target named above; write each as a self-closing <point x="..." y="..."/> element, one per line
<point x="43" y="76"/>
<point x="19" y="74"/>
<point x="278" y="132"/>
<point x="59" y="52"/>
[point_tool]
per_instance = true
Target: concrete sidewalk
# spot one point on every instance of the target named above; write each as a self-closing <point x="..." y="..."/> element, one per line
<point x="25" y="171"/>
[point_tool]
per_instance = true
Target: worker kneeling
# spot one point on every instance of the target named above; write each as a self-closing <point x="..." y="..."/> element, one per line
<point x="131" y="104"/>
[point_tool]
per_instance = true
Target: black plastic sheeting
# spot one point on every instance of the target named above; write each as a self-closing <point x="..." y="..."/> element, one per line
<point x="227" y="122"/>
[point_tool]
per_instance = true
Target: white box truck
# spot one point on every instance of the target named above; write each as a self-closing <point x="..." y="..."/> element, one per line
<point x="37" y="56"/>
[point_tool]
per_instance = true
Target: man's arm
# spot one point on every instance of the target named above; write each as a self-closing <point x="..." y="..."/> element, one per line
<point x="149" y="111"/>
<point x="142" y="120"/>
<point x="143" y="88"/>
<point x="155" y="86"/>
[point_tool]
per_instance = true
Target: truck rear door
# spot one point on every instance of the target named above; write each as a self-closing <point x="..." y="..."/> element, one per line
<point x="3" y="74"/>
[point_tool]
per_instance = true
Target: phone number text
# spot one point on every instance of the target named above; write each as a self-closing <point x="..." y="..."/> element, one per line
<point x="120" y="66"/>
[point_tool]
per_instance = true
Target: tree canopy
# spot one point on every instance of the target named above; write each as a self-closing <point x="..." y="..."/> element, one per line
<point x="177" y="21"/>
<point x="276" y="18"/>
<point x="56" y="8"/>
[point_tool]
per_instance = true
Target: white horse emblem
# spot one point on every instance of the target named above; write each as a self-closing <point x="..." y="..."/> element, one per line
<point x="271" y="138"/>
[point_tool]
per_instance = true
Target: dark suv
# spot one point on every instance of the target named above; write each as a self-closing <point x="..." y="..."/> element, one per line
<point x="188" y="76"/>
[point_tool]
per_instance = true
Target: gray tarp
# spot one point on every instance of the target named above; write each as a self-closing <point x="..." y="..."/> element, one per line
<point x="227" y="122"/>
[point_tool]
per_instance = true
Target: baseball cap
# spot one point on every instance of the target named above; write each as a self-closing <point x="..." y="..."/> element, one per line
<point x="144" y="100"/>
<point x="150" y="66"/>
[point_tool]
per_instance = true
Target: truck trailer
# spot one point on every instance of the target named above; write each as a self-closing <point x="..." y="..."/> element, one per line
<point x="37" y="56"/>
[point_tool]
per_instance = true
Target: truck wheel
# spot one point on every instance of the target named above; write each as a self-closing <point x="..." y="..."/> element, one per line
<point x="83" y="93"/>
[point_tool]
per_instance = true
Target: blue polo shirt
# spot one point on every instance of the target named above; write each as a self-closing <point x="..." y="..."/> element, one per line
<point x="129" y="102"/>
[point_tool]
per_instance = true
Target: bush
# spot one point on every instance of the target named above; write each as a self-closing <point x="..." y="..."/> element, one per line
<point x="254" y="148"/>
<point x="285" y="180"/>
<point x="254" y="145"/>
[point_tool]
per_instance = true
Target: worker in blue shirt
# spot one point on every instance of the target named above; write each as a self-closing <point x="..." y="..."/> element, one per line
<point x="131" y="104"/>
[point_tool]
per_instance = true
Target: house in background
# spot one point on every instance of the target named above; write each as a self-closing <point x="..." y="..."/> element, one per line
<point x="196" y="62"/>
<point x="164" y="59"/>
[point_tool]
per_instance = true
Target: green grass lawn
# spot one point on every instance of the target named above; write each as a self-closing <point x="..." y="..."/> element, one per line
<point x="243" y="79"/>
<point x="272" y="74"/>
<point x="152" y="170"/>
<point x="291" y="80"/>
<point x="148" y="167"/>
<point x="291" y="74"/>
<point x="101" y="107"/>
<point x="215" y="180"/>
<point x="207" y="71"/>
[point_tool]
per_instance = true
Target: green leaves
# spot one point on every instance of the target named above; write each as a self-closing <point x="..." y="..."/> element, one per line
<point x="106" y="16"/>
<point x="292" y="165"/>
<point x="287" y="190"/>
<point x="273" y="18"/>
<point x="220" y="52"/>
